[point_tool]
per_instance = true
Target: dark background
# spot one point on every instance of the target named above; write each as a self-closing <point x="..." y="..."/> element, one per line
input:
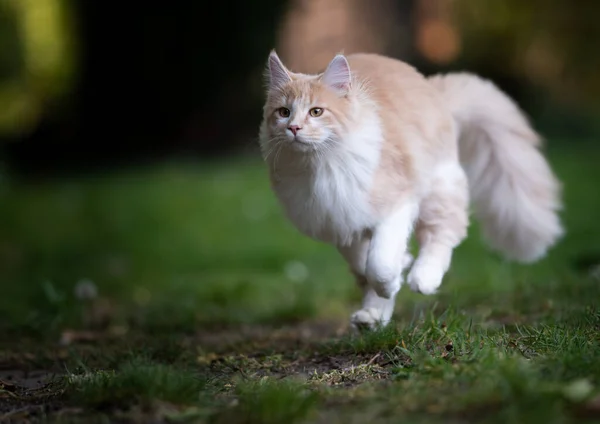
<point x="154" y="79"/>
<point x="147" y="81"/>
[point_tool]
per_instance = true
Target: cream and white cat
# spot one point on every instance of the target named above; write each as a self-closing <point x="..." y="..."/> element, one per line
<point x="364" y="153"/>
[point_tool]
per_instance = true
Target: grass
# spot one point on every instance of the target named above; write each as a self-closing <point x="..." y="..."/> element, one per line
<point x="264" y="401"/>
<point x="136" y="381"/>
<point x="178" y="293"/>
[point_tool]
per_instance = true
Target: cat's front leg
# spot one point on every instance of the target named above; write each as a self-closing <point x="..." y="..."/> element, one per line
<point x="375" y="311"/>
<point x="387" y="250"/>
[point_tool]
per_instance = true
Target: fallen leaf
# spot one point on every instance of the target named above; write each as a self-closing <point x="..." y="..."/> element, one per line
<point x="207" y="358"/>
<point x="7" y="385"/>
<point x="71" y="336"/>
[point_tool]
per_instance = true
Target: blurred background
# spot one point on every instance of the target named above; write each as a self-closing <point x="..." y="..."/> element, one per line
<point x="90" y="91"/>
<point x="83" y="87"/>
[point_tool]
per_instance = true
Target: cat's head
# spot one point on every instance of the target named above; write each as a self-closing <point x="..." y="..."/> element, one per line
<point x="303" y="112"/>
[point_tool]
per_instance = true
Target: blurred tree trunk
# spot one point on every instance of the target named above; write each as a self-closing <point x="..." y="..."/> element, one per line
<point x="313" y="31"/>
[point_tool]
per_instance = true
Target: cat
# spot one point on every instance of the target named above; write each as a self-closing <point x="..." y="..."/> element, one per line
<point x="370" y="150"/>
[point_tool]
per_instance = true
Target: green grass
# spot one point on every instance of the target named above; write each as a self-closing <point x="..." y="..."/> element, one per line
<point x="264" y="401"/>
<point x="211" y="308"/>
<point x="136" y="381"/>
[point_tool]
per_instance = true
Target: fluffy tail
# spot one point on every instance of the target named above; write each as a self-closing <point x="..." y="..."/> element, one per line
<point x="515" y="195"/>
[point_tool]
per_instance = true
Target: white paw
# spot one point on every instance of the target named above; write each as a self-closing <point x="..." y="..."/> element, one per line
<point x="386" y="288"/>
<point x="407" y="260"/>
<point x="368" y="318"/>
<point x="425" y="278"/>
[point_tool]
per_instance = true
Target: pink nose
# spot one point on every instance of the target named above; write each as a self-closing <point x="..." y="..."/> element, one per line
<point x="294" y="129"/>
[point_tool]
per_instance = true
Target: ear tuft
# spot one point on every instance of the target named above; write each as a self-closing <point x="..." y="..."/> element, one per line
<point x="337" y="75"/>
<point x="278" y="74"/>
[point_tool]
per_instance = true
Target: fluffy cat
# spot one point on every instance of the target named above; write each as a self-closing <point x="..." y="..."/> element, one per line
<point x="368" y="151"/>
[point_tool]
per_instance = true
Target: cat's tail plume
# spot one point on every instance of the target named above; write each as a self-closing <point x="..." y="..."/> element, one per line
<point x="515" y="195"/>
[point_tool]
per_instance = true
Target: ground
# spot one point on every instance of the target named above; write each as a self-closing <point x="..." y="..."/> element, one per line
<point x="178" y="293"/>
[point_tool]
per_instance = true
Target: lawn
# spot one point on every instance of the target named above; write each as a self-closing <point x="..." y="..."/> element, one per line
<point x="178" y="293"/>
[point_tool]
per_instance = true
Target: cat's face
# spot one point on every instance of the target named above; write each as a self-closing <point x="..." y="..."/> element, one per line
<point x="305" y="112"/>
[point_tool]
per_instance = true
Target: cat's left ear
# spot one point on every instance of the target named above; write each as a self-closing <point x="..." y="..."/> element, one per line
<point x="337" y="75"/>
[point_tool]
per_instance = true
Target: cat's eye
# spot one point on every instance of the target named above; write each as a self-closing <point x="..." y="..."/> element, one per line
<point x="284" y="112"/>
<point x="315" y="112"/>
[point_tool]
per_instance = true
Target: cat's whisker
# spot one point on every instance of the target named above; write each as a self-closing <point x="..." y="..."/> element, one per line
<point x="276" y="159"/>
<point x="274" y="144"/>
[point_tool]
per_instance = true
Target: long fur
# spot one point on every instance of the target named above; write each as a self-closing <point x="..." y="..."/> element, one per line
<point x="371" y="152"/>
<point x="514" y="192"/>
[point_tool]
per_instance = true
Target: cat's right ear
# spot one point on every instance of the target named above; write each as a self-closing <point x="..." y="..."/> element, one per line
<point x="278" y="75"/>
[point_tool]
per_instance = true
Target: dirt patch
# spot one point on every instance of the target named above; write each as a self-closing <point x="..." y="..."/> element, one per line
<point x="31" y="394"/>
<point x="28" y="395"/>
<point x="258" y="337"/>
<point x="287" y="351"/>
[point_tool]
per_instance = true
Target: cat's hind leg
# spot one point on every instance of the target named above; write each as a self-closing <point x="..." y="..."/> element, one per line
<point x="442" y="225"/>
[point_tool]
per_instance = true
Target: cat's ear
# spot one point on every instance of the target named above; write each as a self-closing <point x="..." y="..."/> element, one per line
<point x="337" y="75"/>
<point x="278" y="75"/>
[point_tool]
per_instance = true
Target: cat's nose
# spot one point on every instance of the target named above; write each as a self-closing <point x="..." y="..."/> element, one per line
<point x="294" y="129"/>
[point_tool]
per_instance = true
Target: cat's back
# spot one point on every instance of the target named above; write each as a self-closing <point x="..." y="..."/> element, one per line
<point x="417" y="126"/>
<point x="395" y="84"/>
<point x="385" y="71"/>
<point x="406" y="99"/>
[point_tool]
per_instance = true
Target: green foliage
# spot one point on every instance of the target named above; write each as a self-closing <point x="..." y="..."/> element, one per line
<point x="37" y="60"/>
<point x="546" y="43"/>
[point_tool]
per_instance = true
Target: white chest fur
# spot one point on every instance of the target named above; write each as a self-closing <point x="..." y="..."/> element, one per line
<point x="330" y="199"/>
